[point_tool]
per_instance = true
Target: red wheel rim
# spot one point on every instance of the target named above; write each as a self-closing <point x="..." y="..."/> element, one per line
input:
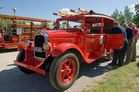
<point x="67" y="70"/>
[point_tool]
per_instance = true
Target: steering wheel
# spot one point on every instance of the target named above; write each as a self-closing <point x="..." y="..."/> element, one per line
<point x="76" y="26"/>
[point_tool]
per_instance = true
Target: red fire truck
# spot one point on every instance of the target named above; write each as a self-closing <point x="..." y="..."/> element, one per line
<point x="81" y="37"/>
<point x="20" y="32"/>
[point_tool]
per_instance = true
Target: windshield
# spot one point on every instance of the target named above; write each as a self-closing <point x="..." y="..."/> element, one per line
<point x="70" y="24"/>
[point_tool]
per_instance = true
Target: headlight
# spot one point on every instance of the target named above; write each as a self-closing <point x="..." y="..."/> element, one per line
<point x="46" y="46"/>
<point x="27" y="43"/>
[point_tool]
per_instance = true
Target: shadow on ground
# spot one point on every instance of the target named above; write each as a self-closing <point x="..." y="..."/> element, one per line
<point x="15" y="81"/>
<point x="138" y="65"/>
<point x="94" y="69"/>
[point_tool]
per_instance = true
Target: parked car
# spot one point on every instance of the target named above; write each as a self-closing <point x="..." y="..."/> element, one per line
<point x="79" y="38"/>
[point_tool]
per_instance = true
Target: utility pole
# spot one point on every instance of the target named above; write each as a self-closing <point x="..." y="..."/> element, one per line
<point x="14" y="10"/>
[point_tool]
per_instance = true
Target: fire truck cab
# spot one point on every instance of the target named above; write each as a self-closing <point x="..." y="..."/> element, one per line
<point x="80" y="37"/>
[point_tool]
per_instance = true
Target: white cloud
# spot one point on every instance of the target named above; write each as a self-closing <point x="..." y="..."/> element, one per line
<point x="132" y="7"/>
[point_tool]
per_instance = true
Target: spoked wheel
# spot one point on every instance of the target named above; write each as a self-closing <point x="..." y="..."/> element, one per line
<point x="21" y="58"/>
<point x="67" y="70"/>
<point x="64" y="71"/>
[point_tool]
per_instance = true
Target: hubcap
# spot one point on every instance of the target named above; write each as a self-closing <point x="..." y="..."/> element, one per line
<point x="67" y="70"/>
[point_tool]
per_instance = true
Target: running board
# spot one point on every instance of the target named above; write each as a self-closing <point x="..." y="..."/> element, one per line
<point x="36" y="69"/>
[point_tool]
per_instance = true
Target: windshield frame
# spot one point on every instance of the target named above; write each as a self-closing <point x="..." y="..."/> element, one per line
<point x="70" y="18"/>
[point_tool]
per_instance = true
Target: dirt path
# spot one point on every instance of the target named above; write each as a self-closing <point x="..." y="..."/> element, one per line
<point x="12" y="80"/>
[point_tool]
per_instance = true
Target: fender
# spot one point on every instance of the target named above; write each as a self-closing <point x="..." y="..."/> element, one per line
<point x="60" y="49"/>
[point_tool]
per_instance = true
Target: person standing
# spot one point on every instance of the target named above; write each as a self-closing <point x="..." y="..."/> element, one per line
<point x="118" y="56"/>
<point x="130" y="38"/>
<point x="135" y="30"/>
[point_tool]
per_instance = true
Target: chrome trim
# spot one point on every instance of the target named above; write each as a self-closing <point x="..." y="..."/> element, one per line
<point x="44" y="46"/>
<point x="101" y="39"/>
<point x="27" y="43"/>
<point x="38" y="49"/>
<point x="45" y="35"/>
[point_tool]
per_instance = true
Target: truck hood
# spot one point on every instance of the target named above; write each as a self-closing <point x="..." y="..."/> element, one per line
<point x="61" y="33"/>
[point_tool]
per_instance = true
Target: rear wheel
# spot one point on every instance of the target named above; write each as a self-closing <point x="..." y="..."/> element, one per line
<point x="21" y="58"/>
<point x="64" y="71"/>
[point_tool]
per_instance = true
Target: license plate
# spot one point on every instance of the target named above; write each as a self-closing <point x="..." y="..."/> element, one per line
<point x="38" y="49"/>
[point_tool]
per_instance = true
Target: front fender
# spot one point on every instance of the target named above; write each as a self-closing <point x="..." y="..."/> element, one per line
<point x="60" y="49"/>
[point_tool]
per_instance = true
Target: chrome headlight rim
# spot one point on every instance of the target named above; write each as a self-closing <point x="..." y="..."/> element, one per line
<point x="27" y="43"/>
<point x="45" y="34"/>
<point x="46" y="46"/>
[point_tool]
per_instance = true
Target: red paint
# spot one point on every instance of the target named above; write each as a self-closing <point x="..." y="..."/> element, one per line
<point x="41" y="71"/>
<point x="91" y="46"/>
<point x="29" y="58"/>
<point x="114" y="41"/>
<point x="61" y="48"/>
<point x="67" y="71"/>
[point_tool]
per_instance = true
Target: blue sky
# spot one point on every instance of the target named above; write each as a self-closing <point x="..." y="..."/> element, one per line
<point x="45" y="8"/>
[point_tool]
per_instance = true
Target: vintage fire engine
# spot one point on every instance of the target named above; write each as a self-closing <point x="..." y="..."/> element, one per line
<point x="82" y="36"/>
<point x="20" y="32"/>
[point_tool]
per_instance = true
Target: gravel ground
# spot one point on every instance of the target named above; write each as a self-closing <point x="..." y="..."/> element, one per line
<point x="12" y="80"/>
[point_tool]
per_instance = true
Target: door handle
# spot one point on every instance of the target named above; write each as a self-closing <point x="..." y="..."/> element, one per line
<point x="101" y="39"/>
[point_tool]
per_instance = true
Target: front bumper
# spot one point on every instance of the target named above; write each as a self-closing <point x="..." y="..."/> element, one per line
<point x="30" y="67"/>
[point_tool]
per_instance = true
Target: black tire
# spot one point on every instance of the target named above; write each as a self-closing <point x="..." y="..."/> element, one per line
<point x="54" y="73"/>
<point x="21" y="58"/>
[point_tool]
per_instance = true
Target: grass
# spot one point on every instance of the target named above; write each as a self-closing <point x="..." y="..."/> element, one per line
<point x="123" y="79"/>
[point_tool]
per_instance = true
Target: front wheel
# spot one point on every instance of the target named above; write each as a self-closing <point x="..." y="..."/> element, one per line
<point x="21" y="58"/>
<point x="64" y="71"/>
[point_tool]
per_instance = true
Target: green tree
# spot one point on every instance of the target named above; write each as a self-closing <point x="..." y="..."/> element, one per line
<point x="118" y="16"/>
<point x="136" y="17"/>
<point x="121" y="18"/>
<point x="20" y="22"/>
<point x="115" y="15"/>
<point x="5" y="24"/>
<point x="128" y="14"/>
